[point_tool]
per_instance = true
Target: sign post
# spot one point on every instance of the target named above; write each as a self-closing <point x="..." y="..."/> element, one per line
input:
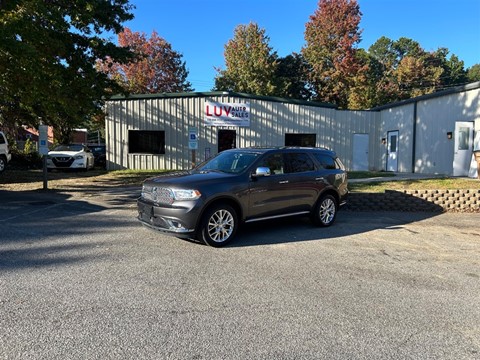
<point x="43" y="150"/>
<point x="193" y="143"/>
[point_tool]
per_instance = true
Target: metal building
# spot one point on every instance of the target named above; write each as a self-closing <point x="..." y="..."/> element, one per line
<point x="155" y="131"/>
<point x="432" y="134"/>
<point x="173" y="131"/>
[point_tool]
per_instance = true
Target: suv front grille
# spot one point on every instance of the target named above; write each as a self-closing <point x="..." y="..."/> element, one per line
<point x="158" y="195"/>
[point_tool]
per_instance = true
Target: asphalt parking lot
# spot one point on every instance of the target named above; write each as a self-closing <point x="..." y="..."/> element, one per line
<point x="81" y="279"/>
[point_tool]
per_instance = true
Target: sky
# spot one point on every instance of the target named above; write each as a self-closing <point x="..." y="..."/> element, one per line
<point x="199" y="29"/>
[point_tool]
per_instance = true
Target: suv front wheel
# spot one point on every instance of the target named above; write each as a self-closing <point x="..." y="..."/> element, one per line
<point x="219" y="225"/>
<point x="325" y="212"/>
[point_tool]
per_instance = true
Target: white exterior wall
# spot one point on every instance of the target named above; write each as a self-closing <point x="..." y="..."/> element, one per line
<point x="435" y="117"/>
<point x="269" y="122"/>
<point x="399" y="118"/>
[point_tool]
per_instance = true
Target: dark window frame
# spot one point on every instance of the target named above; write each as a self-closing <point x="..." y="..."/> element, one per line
<point x="301" y="139"/>
<point x="146" y="142"/>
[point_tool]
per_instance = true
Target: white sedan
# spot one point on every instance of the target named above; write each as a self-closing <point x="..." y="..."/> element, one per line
<point x="70" y="157"/>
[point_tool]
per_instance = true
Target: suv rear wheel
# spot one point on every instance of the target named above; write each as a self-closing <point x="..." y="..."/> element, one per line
<point x="325" y="212"/>
<point x="219" y="225"/>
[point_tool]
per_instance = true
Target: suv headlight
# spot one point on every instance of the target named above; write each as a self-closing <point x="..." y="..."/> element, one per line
<point x="78" y="157"/>
<point x="180" y="194"/>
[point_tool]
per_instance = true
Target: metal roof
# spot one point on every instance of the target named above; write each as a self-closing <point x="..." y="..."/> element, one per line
<point x="222" y="93"/>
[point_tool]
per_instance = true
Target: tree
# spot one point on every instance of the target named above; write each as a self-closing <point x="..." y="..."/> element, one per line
<point x="362" y="93"/>
<point x="331" y="37"/>
<point x="155" y="68"/>
<point x="250" y="63"/>
<point x="291" y="77"/>
<point x="473" y="73"/>
<point x="454" y="72"/>
<point x="48" y="51"/>
<point x="416" y="76"/>
<point x="403" y="69"/>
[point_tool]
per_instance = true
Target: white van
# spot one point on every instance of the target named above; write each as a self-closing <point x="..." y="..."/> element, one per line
<point x="5" y="155"/>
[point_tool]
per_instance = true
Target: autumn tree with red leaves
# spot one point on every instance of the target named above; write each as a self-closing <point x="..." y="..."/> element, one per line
<point x="157" y="67"/>
<point x="331" y="37"/>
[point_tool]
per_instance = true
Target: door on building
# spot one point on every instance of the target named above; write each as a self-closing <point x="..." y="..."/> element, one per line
<point x="226" y="140"/>
<point x="360" y="152"/>
<point x="392" y="151"/>
<point x="463" y="148"/>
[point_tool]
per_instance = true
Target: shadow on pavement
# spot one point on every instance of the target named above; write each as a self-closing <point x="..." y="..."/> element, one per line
<point x="297" y="229"/>
<point x="49" y="228"/>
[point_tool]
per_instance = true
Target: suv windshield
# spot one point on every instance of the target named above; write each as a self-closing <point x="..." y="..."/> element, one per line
<point x="229" y="162"/>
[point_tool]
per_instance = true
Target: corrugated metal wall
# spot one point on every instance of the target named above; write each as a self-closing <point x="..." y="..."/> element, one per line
<point x="433" y="118"/>
<point x="400" y="118"/>
<point x="269" y="122"/>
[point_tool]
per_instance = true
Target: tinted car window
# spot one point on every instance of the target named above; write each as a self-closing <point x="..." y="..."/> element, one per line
<point x="327" y="162"/>
<point x="298" y="162"/>
<point x="274" y="162"/>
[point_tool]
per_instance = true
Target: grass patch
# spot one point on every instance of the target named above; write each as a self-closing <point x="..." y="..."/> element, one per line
<point x="421" y="184"/>
<point x="24" y="180"/>
<point x="368" y="174"/>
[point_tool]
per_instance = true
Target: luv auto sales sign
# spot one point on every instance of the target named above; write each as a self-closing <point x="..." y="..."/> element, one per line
<point x="227" y="114"/>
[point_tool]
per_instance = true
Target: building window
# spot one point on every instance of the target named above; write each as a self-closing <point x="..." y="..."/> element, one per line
<point x="303" y="140"/>
<point x="146" y="142"/>
<point x="226" y="140"/>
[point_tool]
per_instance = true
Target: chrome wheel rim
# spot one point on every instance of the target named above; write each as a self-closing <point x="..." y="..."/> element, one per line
<point x="220" y="226"/>
<point x="327" y="211"/>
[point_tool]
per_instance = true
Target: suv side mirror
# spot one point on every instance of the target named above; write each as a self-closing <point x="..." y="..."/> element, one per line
<point x="262" y="171"/>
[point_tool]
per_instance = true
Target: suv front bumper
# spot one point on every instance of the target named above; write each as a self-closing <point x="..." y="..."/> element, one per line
<point x="177" y="221"/>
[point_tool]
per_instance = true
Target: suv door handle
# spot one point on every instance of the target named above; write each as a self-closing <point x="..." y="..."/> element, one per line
<point x="283" y="182"/>
<point x="319" y="178"/>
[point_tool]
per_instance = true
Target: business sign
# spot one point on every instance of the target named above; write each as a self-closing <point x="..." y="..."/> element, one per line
<point x="227" y="114"/>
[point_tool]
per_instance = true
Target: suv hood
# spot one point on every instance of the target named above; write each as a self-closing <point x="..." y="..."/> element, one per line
<point x="188" y="178"/>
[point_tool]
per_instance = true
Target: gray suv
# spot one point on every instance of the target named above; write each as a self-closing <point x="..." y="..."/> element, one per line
<point x="244" y="185"/>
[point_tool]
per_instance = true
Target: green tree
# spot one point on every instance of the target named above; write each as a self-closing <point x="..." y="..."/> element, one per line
<point x="291" y="77"/>
<point x="454" y="72"/>
<point x="416" y="76"/>
<point x="473" y="73"/>
<point x="48" y="51"/>
<point x="403" y="69"/>
<point x="155" y="68"/>
<point x="331" y="36"/>
<point x="250" y="63"/>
